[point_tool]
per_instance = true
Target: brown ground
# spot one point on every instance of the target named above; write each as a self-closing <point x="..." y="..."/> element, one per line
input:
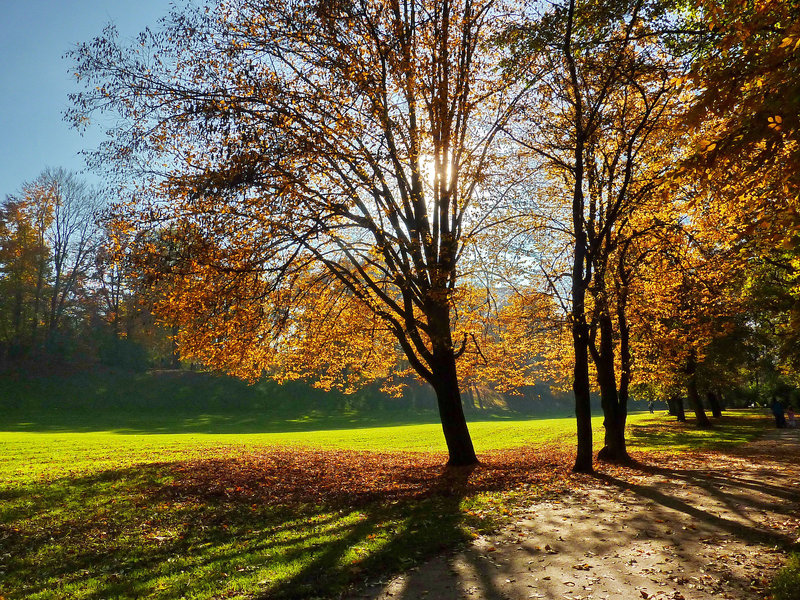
<point x="698" y="527"/>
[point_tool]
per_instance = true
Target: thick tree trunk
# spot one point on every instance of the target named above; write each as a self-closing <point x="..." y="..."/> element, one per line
<point x="454" y="424"/>
<point x="691" y="392"/>
<point x="445" y="384"/>
<point x="583" y="408"/>
<point x="675" y="404"/>
<point x="714" y="405"/>
<point x="614" y="449"/>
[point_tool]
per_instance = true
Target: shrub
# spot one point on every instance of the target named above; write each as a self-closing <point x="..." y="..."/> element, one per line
<point x="786" y="585"/>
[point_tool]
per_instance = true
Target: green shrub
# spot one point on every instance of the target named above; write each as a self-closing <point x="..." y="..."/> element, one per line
<point x="786" y="585"/>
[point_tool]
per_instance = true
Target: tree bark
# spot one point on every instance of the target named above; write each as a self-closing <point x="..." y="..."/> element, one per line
<point x="583" y="408"/>
<point x="675" y="404"/>
<point x="714" y="405"/>
<point x="625" y="359"/>
<point x="445" y="383"/>
<point x="581" y="269"/>
<point x="691" y="391"/>
<point x="614" y="449"/>
<point x="451" y="413"/>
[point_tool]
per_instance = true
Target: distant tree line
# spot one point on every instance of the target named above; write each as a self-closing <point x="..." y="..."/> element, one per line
<point x="64" y="299"/>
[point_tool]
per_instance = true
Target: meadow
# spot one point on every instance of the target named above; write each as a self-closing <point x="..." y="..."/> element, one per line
<point x="153" y="487"/>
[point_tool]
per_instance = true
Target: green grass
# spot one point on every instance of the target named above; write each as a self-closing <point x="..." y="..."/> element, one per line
<point x="112" y="535"/>
<point x="662" y="433"/>
<point x="786" y="584"/>
<point x="86" y="509"/>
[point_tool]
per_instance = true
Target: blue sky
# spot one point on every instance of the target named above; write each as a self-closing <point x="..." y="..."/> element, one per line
<point x="35" y="79"/>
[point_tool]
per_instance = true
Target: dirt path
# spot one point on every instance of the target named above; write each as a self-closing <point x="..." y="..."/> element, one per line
<point x="703" y="526"/>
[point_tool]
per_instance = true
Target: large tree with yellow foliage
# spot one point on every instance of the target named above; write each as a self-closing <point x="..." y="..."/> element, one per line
<point x="313" y="177"/>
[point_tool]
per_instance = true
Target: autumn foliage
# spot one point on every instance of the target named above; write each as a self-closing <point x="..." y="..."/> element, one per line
<point x="473" y="193"/>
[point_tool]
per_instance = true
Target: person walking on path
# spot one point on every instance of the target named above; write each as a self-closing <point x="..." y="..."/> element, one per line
<point x="790" y="417"/>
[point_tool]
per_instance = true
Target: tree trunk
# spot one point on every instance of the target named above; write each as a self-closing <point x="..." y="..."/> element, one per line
<point x="581" y="268"/>
<point x="445" y="383"/>
<point x="451" y="413"/>
<point x="691" y="392"/>
<point x="480" y="399"/>
<point x="175" y="358"/>
<point x="714" y="405"/>
<point x="625" y="359"/>
<point x="583" y="408"/>
<point x="614" y="449"/>
<point x="37" y="299"/>
<point x="676" y="408"/>
<point x="470" y="398"/>
<point x="17" y="315"/>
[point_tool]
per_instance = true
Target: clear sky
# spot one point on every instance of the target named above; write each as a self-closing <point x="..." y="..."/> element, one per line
<point x="35" y="78"/>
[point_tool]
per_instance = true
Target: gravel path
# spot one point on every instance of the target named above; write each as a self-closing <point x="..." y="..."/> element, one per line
<point x="697" y="527"/>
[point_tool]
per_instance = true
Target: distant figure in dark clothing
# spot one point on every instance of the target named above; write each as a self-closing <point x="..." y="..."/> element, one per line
<point x="790" y="417"/>
<point x="777" y="410"/>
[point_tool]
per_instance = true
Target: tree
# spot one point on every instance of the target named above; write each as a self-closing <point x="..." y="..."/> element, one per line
<point x="328" y="165"/>
<point x="689" y="301"/>
<point x="599" y="128"/>
<point x="49" y="241"/>
<point x="24" y="257"/>
<point x="72" y="236"/>
<point x="745" y="117"/>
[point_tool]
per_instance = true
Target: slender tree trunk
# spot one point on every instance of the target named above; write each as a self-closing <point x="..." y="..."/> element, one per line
<point x="714" y="405"/>
<point x="614" y="449"/>
<point x="479" y="397"/>
<point x="175" y="359"/>
<point x="625" y="359"/>
<point x="580" y="380"/>
<point x="691" y="392"/>
<point x="581" y="267"/>
<point x="470" y="398"/>
<point x="17" y="315"/>
<point x="37" y="299"/>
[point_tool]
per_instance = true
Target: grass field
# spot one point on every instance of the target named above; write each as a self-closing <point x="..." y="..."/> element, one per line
<point x="164" y="505"/>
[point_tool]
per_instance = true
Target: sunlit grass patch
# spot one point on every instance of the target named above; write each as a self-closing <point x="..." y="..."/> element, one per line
<point x="664" y="433"/>
<point x="107" y="515"/>
<point x="229" y="527"/>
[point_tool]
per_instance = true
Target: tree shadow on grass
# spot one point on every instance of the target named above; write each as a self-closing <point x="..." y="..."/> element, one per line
<point x="728" y="432"/>
<point x="279" y="524"/>
<point x="421" y="529"/>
